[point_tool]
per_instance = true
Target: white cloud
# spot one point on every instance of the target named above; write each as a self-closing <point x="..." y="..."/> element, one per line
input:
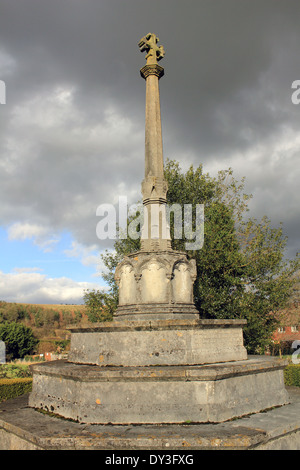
<point x="88" y="256"/>
<point x="39" y="233"/>
<point x="22" y="231"/>
<point x="25" y="285"/>
<point x="26" y="270"/>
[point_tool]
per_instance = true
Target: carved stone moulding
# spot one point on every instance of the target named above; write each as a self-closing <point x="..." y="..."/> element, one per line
<point x="154" y="283"/>
<point x="152" y="69"/>
<point x="157" y="311"/>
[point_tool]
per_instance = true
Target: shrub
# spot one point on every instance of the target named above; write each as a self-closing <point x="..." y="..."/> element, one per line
<point x="12" y="388"/>
<point x="292" y="375"/>
<point x="19" y="339"/>
<point x="14" y="371"/>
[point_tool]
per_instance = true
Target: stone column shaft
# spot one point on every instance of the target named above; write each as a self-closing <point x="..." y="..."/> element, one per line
<point x="154" y="186"/>
<point x="153" y="134"/>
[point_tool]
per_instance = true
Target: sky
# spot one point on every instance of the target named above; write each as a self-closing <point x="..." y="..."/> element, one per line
<point x="72" y="126"/>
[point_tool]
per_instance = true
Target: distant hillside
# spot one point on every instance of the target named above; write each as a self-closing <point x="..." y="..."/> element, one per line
<point x="40" y="315"/>
<point x="48" y="322"/>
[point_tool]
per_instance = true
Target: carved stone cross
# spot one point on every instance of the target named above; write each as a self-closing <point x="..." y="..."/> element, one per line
<point x="154" y="52"/>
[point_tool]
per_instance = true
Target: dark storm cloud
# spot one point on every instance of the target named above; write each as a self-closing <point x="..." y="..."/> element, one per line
<point x="72" y="129"/>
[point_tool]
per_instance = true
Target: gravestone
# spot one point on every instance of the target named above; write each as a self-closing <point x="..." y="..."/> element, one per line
<point x="2" y="352"/>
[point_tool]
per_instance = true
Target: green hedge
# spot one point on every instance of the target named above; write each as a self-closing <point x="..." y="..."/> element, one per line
<point x="292" y="375"/>
<point x="11" y="388"/>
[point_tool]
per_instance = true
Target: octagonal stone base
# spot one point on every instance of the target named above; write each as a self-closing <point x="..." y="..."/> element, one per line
<point x="178" y="394"/>
<point x="158" y="342"/>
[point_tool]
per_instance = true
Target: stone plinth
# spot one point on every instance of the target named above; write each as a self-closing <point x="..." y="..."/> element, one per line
<point x="165" y="394"/>
<point x="158" y="342"/>
<point x="158" y="371"/>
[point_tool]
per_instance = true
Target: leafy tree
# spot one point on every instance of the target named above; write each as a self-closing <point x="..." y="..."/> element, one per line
<point x="19" y="339"/>
<point x="11" y="311"/>
<point x="241" y="268"/>
<point x="99" y="305"/>
<point x="290" y="315"/>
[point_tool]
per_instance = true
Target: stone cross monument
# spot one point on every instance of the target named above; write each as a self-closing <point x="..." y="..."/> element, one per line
<point x="156" y="282"/>
<point x="157" y="361"/>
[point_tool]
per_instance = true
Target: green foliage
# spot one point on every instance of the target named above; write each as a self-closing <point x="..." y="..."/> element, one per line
<point x="292" y="375"/>
<point x="12" y="388"/>
<point x="13" y="371"/>
<point x="100" y="305"/>
<point x="19" y="339"/>
<point x="241" y="268"/>
<point x="41" y="316"/>
<point x="11" y="311"/>
<point x="62" y="344"/>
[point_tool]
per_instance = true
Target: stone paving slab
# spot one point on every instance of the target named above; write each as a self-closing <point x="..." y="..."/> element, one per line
<point x="283" y="420"/>
<point x="23" y="428"/>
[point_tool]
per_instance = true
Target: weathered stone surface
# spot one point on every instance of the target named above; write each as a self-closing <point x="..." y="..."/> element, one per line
<point x="156" y="284"/>
<point x="155" y="234"/>
<point x="160" y="342"/>
<point x="156" y="280"/>
<point x="123" y="395"/>
<point x="23" y="428"/>
<point x="155" y="53"/>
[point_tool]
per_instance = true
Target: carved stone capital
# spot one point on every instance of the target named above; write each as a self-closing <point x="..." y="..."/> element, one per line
<point x="152" y="69"/>
<point x="156" y="283"/>
<point x="154" y="188"/>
